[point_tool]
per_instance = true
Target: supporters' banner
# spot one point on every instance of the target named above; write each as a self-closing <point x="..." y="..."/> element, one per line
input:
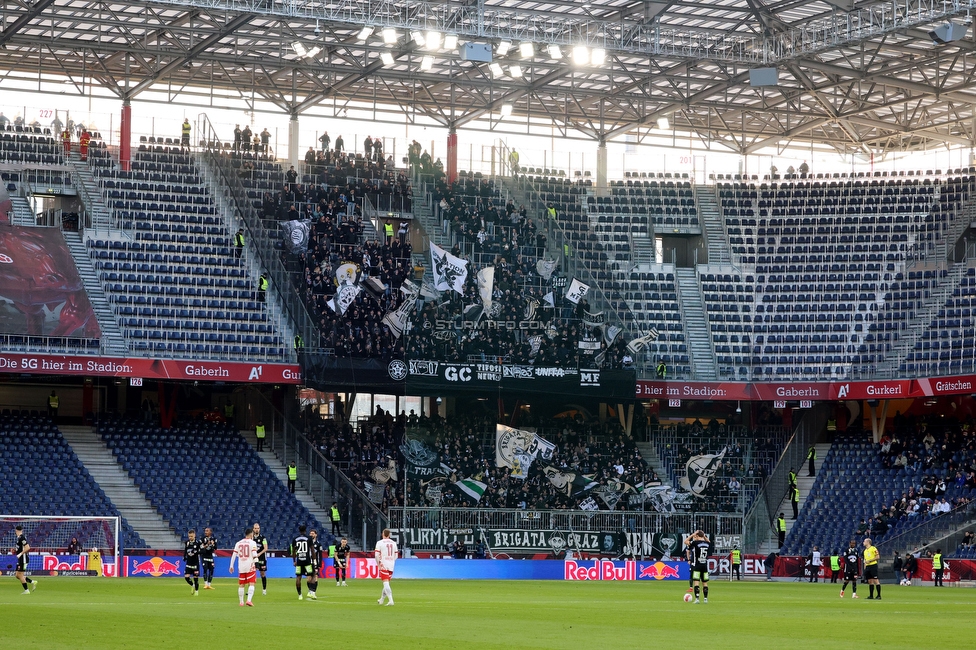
<point x="510" y="442"/>
<point x="295" y="235"/>
<point x="424" y="290"/>
<point x="535" y="344"/>
<point x="347" y="273"/>
<point x="568" y="481"/>
<point x="472" y="314"/>
<point x="472" y="488"/>
<point x="398" y="318"/>
<point x="588" y="504"/>
<point x="500" y="540"/>
<point x="421" y="460"/>
<point x="610" y="334"/>
<point x="545" y="268"/>
<point x="486" y="284"/>
<point x="589" y="344"/>
<point x="521" y="464"/>
<point x="450" y="272"/>
<point x="699" y="471"/>
<point x="609" y="496"/>
<point x="345" y="295"/>
<point x="664" y="546"/>
<point x="41" y="292"/>
<point x="434" y="377"/>
<point x="531" y="305"/>
<point x="594" y="320"/>
<point x="576" y="291"/>
<point x="383" y="475"/>
<point x="549" y="299"/>
<point x="639" y="344"/>
<point x="374" y="492"/>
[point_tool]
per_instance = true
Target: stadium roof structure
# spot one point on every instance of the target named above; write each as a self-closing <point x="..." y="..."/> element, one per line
<point x="859" y="77"/>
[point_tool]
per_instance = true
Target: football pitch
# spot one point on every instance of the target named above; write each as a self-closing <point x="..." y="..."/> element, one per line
<point x="161" y="613"/>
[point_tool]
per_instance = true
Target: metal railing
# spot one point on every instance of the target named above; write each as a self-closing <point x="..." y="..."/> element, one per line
<point x="930" y="530"/>
<point x="758" y="522"/>
<point x="261" y="237"/>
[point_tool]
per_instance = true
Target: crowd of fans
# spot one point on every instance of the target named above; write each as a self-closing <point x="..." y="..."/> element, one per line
<point x="464" y="443"/>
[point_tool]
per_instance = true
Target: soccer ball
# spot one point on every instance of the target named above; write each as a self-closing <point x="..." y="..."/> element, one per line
<point x="688" y="598"/>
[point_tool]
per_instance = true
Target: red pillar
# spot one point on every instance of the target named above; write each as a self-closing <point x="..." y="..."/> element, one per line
<point x="125" y="136"/>
<point x="452" y="151"/>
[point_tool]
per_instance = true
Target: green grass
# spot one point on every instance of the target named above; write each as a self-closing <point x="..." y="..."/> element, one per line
<point x="468" y="615"/>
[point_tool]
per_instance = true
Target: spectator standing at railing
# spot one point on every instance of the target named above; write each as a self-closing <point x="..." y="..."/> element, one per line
<point x="237" y="137"/>
<point x="66" y="141"/>
<point x="310" y="160"/>
<point x="265" y="140"/>
<point x="291" y="176"/>
<point x="325" y="140"/>
<point x="378" y="150"/>
<point x="239" y="243"/>
<point x="262" y="287"/>
<point x="339" y="145"/>
<point x="368" y="146"/>
<point x="4" y="121"/>
<point x="403" y="231"/>
<point x="246" y="138"/>
<point x="185" y="135"/>
<point x="83" y="145"/>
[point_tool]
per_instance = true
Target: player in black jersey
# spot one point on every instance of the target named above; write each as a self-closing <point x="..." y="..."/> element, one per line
<point x="191" y="558"/>
<point x="317" y="552"/>
<point x="341" y="561"/>
<point x="851" y="568"/>
<point x="22" y="551"/>
<point x="207" y="547"/>
<point x="700" y="549"/>
<point x="261" y="564"/>
<point x="301" y="555"/>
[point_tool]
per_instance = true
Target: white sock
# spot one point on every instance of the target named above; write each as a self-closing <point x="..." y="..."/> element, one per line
<point x="387" y="591"/>
<point x="250" y="593"/>
<point x="240" y="594"/>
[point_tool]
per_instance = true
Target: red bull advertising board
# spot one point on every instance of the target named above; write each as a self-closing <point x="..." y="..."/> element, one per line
<point x="577" y="570"/>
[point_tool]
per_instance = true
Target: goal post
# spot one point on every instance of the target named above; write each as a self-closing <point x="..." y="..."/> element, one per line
<point x="95" y="544"/>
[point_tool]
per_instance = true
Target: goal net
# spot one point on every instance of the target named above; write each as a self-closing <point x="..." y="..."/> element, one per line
<point x="63" y="545"/>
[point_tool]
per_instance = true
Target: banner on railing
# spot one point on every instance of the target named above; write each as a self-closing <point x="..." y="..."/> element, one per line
<point x="436" y="377"/>
<point x="812" y="392"/>
<point x="513" y="540"/>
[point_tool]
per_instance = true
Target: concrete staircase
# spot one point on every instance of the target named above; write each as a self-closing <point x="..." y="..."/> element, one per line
<point x="22" y="215"/>
<point x="280" y="470"/>
<point x="805" y="483"/>
<point x="113" y="341"/>
<point x="719" y="251"/>
<point x="120" y="488"/>
<point x="643" y="251"/>
<point x="696" y="325"/>
<point x="649" y="453"/>
<point x="91" y="195"/>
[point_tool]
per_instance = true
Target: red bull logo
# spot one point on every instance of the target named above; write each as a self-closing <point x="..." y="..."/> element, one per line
<point x="659" y="571"/>
<point x="156" y="567"/>
<point x="363" y="568"/>
<point x="600" y="570"/>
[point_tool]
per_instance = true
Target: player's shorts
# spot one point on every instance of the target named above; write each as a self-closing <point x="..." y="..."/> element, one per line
<point x="261" y="565"/>
<point x="22" y="563"/>
<point x="191" y="569"/>
<point x="339" y="564"/>
<point x="207" y="561"/>
<point x="871" y="572"/>
<point x="246" y="578"/>
<point x="699" y="572"/>
<point x="304" y="570"/>
<point x="385" y="574"/>
<point x="850" y="576"/>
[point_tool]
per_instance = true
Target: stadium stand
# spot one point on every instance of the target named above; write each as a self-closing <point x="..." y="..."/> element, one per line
<point x="885" y="490"/>
<point x="201" y="474"/>
<point x="45" y="477"/>
<point x="177" y="288"/>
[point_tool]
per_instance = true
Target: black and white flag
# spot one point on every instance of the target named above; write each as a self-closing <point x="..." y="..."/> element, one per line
<point x="545" y="268"/>
<point x="638" y="345"/>
<point x="295" y="235"/>
<point x="398" y="318"/>
<point x="610" y="333"/>
<point x="576" y="291"/>
<point x="450" y="272"/>
<point x="588" y="504"/>
<point x="345" y="295"/>
<point x="486" y="284"/>
<point x="594" y="320"/>
<point x="699" y="472"/>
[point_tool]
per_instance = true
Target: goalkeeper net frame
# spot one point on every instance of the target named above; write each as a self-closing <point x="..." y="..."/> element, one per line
<point x="50" y="536"/>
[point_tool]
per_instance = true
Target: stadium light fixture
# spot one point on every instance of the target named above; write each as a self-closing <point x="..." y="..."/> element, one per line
<point x="450" y="42"/>
<point x="506" y="110"/>
<point x="663" y="123"/>
<point x="503" y="48"/>
<point x="526" y="49"/>
<point x="434" y="40"/>
<point x="554" y="52"/>
<point x="390" y="36"/>
<point x="496" y="70"/>
<point x="364" y="33"/>
<point x="581" y="55"/>
<point x="515" y="70"/>
<point x="418" y="38"/>
<point x="598" y="56"/>
<point x="313" y="52"/>
<point x="299" y="48"/>
<point x="426" y="63"/>
<point x="387" y="59"/>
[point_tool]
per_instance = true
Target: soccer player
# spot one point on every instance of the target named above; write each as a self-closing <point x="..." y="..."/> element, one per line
<point x="22" y="551"/>
<point x="341" y="561"/>
<point x="246" y="552"/>
<point x="191" y="558"/>
<point x="262" y="563"/>
<point x="386" y="555"/>
<point x="301" y="556"/>
<point x="851" y="568"/>
<point x="317" y="552"/>
<point x="700" y="549"/>
<point x="207" y="547"/>
<point x="871" y="555"/>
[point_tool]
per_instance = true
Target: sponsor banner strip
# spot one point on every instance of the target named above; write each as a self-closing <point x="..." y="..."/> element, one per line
<point x="800" y="391"/>
<point x="46" y="364"/>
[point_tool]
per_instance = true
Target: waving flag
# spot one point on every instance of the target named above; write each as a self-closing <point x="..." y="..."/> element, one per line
<point x="450" y="272"/>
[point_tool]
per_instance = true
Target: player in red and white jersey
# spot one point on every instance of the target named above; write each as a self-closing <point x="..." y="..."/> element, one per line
<point x="245" y="553"/>
<point x="386" y="557"/>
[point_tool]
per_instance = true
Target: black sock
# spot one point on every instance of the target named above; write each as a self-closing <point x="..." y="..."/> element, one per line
<point x="854" y="587"/>
<point x="705" y="591"/>
<point x="188" y="580"/>
<point x="28" y="580"/>
<point x="871" y="589"/>
<point x="879" y="590"/>
<point x="196" y="584"/>
<point x="298" y="588"/>
<point x="844" y="588"/>
<point x="264" y="582"/>
<point x="696" y="591"/>
<point x="312" y="586"/>
<point x="25" y="585"/>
